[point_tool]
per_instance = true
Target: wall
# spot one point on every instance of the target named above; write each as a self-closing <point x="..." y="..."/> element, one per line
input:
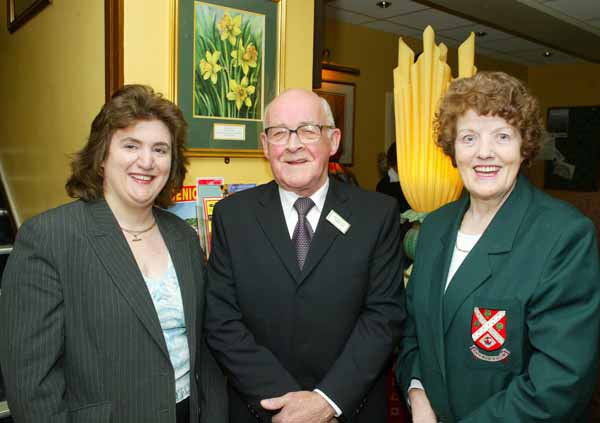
<point x="360" y="47"/>
<point x="51" y="87"/>
<point x="567" y="85"/>
<point x="147" y="52"/>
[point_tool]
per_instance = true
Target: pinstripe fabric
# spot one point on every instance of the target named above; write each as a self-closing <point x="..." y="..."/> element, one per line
<point x="82" y="339"/>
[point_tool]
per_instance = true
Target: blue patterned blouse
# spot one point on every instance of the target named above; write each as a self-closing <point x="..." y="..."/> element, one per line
<point x="166" y="297"/>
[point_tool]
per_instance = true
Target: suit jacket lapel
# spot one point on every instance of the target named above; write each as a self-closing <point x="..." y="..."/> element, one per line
<point x="326" y="233"/>
<point x="181" y="257"/>
<point x="270" y="218"/>
<point x="115" y="255"/>
<point x="440" y="265"/>
<point x="498" y="238"/>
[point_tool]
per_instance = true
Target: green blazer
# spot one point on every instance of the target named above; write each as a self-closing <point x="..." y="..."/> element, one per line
<point x="537" y="265"/>
<point x="81" y="339"/>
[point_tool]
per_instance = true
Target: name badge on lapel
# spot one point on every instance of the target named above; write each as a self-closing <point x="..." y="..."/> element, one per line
<point x="338" y="221"/>
<point x="488" y="332"/>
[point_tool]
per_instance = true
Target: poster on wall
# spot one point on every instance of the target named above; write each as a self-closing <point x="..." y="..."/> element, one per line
<point x="227" y="70"/>
<point x="184" y="205"/>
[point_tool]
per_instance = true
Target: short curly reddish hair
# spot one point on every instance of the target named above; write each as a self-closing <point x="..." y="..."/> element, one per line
<point x="495" y="94"/>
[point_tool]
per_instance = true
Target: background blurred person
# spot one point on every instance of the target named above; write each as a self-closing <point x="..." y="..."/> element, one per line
<point x="390" y="182"/>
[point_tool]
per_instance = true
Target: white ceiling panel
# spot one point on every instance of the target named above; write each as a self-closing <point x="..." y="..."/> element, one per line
<point x="463" y="32"/>
<point x="580" y="9"/>
<point x="370" y="8"/>
<point x="400" y="30"/>
<point x="407" y="18"/>
<point x="509" y="45"/>
<point x="438" y="20"/>
<point x="556" y="57"/>
<point x="348" y="17"/>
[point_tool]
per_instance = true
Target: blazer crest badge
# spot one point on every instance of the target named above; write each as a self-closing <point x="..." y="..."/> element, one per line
<point x="488" y="331"/>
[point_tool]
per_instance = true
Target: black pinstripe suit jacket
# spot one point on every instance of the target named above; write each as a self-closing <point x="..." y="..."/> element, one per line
<point x="80" y="337"/>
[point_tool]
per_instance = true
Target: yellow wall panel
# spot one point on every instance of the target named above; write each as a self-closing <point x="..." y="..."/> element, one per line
<point x="52" y="85"/>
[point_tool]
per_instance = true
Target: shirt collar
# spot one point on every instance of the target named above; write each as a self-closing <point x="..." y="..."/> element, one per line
<point x="393" y="175"/>
<point x="288" y="198"/>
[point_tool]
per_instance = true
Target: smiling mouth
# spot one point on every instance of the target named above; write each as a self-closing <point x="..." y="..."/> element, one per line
<point x="296" y="162"/>
<point x="486" y="170"/>
<point x="143" y="179"/>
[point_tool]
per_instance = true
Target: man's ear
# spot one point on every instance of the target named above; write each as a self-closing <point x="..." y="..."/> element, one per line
<point x="334" y="140"/>
<point x="265" y="145"/>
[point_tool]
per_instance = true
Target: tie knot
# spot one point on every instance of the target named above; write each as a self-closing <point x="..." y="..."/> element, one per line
<point x="303" y="205"/>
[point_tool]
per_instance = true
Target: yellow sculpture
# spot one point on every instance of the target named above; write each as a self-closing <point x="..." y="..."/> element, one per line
<point x="427" y="176"/>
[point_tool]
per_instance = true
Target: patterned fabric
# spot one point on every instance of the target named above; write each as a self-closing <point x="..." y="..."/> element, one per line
<point x="303" y="232"/>
<point x="166" y="297"/>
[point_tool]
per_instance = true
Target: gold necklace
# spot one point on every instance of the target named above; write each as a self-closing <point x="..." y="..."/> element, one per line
<point x="136" y="234"/>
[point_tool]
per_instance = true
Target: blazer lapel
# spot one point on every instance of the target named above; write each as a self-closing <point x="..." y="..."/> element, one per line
<point x="440" y="265"/>
<point x="498" y="238"/>
<point x="270" y="218"/>
<point x="326" y="233"/>
<point x="181" y="257"/>
<point x="115" y="255"/>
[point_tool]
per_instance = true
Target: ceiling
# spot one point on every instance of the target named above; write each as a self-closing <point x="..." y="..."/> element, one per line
<point x="519" y="31"/>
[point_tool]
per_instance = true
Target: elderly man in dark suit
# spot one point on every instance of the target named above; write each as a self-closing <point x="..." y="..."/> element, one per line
<point x="305" y="296"/>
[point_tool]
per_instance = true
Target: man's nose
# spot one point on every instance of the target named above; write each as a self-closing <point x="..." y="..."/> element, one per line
<point x="294" y="142"/>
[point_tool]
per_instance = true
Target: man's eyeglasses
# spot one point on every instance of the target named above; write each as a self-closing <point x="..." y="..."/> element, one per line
<point x="308" y="134"/>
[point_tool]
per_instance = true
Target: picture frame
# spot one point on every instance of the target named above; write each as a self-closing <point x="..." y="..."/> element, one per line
<point x="18" y="12"/>
<point x="227" y="65"/>
<point x="341" y="97"/>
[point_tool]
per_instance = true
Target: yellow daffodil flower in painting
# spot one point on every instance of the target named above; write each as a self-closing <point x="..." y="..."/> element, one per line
<point x="240" y="93"/>
<point x="230" y="28"/>
<point x="245" y="57"/>
<point x="209" y="67"/>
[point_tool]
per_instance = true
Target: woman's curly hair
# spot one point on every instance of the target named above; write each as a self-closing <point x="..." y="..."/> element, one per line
<point x="493" y="94"/>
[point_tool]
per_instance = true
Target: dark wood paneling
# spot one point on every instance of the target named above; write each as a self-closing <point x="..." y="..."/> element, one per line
<point x="318" y="41"/>
<point x="113" y="39"/>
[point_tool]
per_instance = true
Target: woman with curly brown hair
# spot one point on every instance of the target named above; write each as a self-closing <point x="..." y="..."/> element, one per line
<point x="504" y="299"/>
<point x="103" y="298"/>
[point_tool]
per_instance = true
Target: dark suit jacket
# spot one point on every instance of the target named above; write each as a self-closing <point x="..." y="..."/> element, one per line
<point x="332" y="326"/>
<point x="393" y="189"/>
<point x="537" y="261"/>
<point x="81" y="339"/>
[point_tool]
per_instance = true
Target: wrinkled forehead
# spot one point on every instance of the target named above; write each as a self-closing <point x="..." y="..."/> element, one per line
<point x="293" y="109"/>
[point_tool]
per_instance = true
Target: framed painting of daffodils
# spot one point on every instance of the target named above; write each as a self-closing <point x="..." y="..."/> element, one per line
<point x="227" y="69"/>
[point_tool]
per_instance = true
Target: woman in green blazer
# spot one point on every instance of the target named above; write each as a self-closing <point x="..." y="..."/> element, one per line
<point x="504" y="299"/>
<point x="103" y="298"/>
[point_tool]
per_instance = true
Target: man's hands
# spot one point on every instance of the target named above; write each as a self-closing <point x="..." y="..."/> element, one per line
<point x="420" y="407"/>
<point x="300" y="407"/>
